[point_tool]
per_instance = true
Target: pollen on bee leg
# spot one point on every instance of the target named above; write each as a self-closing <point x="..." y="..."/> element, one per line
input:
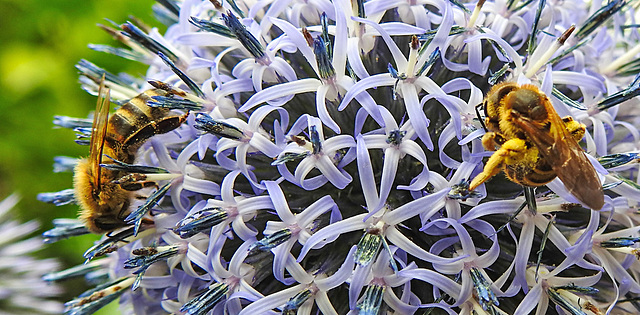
<point x="510" y="151"/>
<point x="489" y="141"/>
<point x="493" y="167"/>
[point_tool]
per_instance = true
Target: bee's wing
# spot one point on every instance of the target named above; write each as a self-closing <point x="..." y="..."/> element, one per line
<point x="100" y="119"/>
<point x="566" y="157"/>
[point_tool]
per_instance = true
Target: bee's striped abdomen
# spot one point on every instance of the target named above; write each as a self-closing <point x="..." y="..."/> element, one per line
<point x="133" y="123"/>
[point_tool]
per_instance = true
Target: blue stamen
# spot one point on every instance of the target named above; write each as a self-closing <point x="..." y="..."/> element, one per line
<point x="578" y="289"/>
<point x="461" y="191"/>
<point x="461" y="6"/>
<point x="92" y="300"/>
<point x="59" y="198"/>
<point x="618" y="159"/>
<point x="433" y="57"/>
<point x="294" y="303"/>
<point x="107" y="245"/>
<point x="599" y="17"/>
<point x="205" y="123"/>
<point x="205" y="302"/>
<point x="136" y="216"/>
<point x="71" y="122"/>
<point x="174" y="103"/>
<point x="485" y="295"/>
<point x="555" y="92"/>
<point x="614" y="99"/>
<point x="130" y="168"/>
<point x="73" y="272"/>
<point x="324" y="60"/>
<point x="147" y="42"/>
<point x="371" y="300"/>
<point x="120" y="52"/>
<point x="324" y="22"/>
<point x="64" y="229"/>
<point x="534" y="29"/>
<point x="200" y="221"/>
<point x="315" y="140"/>
<point x="618" y="242"/>
<point x="183" y="76"/>
<point x="145" y="257"/>
<point x="395" y="137"/>
<point x="289" y="157"/>
<point x="368" y="248"/>
<point x="211" y="27"/>
<point x="170" y="5"/>
<point x="64" y="164"/>
<point x="244" y="36"/>
<point x="270" y="241"/>
<point x="559" y="300"/>
<point x="95" y="74"/>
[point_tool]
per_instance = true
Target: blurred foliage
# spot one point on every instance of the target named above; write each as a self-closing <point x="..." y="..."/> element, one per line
<point x="41" y="42"/>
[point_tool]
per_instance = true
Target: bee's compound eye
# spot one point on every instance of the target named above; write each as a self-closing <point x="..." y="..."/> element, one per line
<point x="529" y="103"/>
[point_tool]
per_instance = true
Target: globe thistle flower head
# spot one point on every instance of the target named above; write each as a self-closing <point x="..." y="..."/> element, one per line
<point x="22" y="291"/>
<point x="328" y="147"/>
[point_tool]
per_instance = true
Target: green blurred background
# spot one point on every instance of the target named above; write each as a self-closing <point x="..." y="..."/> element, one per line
<point x="40" y="41"/>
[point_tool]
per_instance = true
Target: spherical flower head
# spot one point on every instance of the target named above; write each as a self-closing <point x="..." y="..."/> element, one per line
<point x="22" y="289"/>
<point x="326" y="154"/>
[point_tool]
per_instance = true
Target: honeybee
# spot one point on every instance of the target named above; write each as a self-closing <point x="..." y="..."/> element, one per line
<point x="534" y="145"/>
<point x="104" y="203"/>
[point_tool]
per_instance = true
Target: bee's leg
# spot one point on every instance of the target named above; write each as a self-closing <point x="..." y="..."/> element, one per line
<point x="575" y="128"/>
<point x="492" y="141"/>
<point x="138" y="185"/>
<point x="133" y="182"/>
<point x="511" y="151"/>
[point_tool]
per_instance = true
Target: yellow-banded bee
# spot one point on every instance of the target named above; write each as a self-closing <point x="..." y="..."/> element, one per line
<point x="534" y="145"/>
<point x="105" y="203"/>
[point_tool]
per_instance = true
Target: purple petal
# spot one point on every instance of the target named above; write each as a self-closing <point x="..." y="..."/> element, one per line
<point x="281" y="90"/>
<point x="396" y="238"/>
<point x="330" y="232"/>
<point x="202" y="186"/>
<point x="418" y="119"/>
<point x="297" y="38"/>
<point x="272" y="301"/>
<point x="280" y="203"/>
<point x="511" y="53"/>
<point x="316" y="209"/>
<point x="530" y="301"/>
<point x="396" y="53"/>
<point x="321" y="108"/>
<point x="337" y="177"/>
<point x="432" y="202"/>
<point x="376" y="80"/>
<point x="353" y="55"/>
<point x="340" y="40"/>
<point x="389" y="169"/>
<point x="340" y="276"/>
<point x="365" y="172"/>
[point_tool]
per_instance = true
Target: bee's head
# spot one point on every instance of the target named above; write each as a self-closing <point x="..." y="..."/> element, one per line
<point x="106" y="215"/>
<point x="528" y="103"/>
